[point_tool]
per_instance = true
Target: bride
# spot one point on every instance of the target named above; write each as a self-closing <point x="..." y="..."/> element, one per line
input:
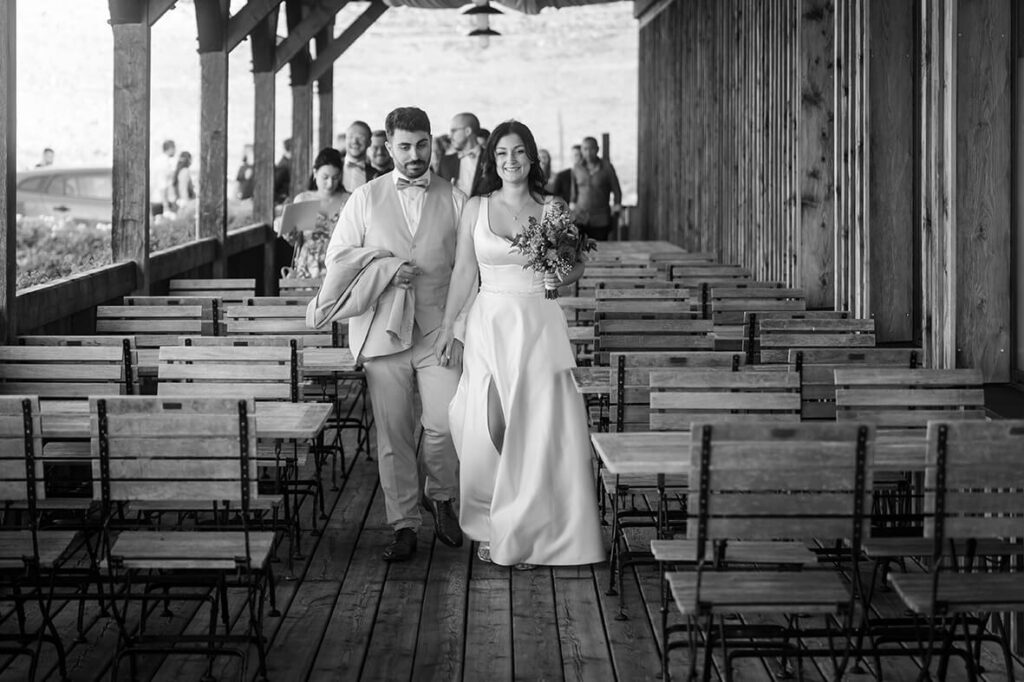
<point x="519" y="426"/>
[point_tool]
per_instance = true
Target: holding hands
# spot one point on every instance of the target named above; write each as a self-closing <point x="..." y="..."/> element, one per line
<point x="447" y="348"/>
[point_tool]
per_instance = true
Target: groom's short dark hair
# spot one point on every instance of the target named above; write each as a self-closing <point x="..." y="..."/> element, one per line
<point x="407" y="118"/>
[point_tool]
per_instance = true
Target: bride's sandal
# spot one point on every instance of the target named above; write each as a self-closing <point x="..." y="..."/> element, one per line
<point x="525" y="567"/>
<point x="483" y="552"/>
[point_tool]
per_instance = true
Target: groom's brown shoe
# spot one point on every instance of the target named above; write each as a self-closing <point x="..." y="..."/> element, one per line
<point x="402" y="547"/>
<point x="446" y="524"/>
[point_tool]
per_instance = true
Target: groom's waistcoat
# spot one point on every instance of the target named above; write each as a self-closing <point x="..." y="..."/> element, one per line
<point x="432" y="249"/>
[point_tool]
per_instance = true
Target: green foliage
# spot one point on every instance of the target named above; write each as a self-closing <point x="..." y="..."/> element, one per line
<point x="49" y="248"/>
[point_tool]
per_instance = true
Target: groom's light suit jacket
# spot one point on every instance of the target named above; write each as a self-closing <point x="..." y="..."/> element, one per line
<point x="432" y="249"/>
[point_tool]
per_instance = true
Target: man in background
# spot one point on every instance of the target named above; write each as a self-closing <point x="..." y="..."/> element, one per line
<point x="244" y="181"/>
<point x="47" y="159"/>
<point x="594" y="181"/>
<point x="461" y="167"/>
<point x="283" y="173"/>
<point x="357" y="171"/>
<point x="560" y="184"/>
<point x="378" y="154"/>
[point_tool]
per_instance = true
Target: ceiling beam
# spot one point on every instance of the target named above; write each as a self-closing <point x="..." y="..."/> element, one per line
<point x="157" y="8"/>
<point x="325" y="59"/>
<point x="311" y="24"/>
<point x="247" y="18"/>
<point x="212" y="24"/>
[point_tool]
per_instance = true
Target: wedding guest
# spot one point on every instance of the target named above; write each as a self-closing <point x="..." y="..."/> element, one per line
<point x="283" y="173"/>
<point x="244" y="181"/>
<point x="437" y="152"/>
<point x="461" y="167"/>
<point x="518" y="423"/>
<point x="561" y="184"/>
<point x="47" y="160"/>
<point x="594" y="181"/>
<point x="358" y="170"/>
<point x="544" y="157"/>
<point x="482" y="136"/>
<point x="161" y="179"/>
<point x="378" y="154"/>
<point x="184" y="188"/>
<point x="324" y="186"/>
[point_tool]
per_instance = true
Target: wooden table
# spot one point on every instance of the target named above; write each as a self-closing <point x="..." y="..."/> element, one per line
<point x="278" y="420"/>
<point x="668" y="452"/>
<point x="327" y="361"/>
<point x="592" y="380"/>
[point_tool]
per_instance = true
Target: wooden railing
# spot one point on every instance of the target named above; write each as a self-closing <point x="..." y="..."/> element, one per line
<point x="68" y="305"/>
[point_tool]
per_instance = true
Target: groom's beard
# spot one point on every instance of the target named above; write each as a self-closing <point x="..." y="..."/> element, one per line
<point x="414" y="169"/>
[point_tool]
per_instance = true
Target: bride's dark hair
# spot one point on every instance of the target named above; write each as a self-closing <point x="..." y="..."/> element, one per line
<point x="488" y="181"/>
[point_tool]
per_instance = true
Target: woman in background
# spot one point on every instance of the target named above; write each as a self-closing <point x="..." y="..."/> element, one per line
<point x="326" y="187"/>
<point x="184" y="188"/>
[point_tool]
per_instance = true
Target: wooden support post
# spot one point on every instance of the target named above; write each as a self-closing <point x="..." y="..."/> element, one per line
<point x="8" y="170"/>
<point x="212" y="24"/>
<point x="264" y="77"/>
<point x="815" y="262"/>
<point x="938" y="181"/>
<point x="130" y="224"/>
<point x="325" y="91"/>
<point x="296" y="48"/>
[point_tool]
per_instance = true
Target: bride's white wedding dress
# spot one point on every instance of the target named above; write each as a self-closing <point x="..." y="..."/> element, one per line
<point x="534" y="501"/>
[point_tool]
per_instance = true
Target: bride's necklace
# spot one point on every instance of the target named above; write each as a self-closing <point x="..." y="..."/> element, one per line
<point x="515" y="214"/>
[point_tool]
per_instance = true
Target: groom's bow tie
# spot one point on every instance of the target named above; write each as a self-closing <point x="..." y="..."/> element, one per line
<point x="405" y="183"/>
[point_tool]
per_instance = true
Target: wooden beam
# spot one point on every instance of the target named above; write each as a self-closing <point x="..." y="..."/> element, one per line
<point x="247" y="19"/>
<point x="300" y="35"/>
<point x="302" y="136"/>
<point x="127" y="11"/>
<point x="130" y="224"/>
<point x="647" y="10"/>
<point x="326" y="58"/>
<point x="264" y="77"/>
<point x="212" y="24"/>
<point x="298" y="67"/>
<point x="325" y="91"/>
<point x="8" y="172"/>
<point x="157" y="8"/>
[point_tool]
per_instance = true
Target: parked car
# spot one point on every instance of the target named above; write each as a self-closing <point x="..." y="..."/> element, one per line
<point x="75" y="194"/>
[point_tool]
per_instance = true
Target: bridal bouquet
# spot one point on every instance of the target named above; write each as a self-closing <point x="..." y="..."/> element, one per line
<point x="552" y="244"/>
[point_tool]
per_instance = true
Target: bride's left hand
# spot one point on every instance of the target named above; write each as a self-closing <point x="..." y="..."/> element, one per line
<point x="552" y="280"/>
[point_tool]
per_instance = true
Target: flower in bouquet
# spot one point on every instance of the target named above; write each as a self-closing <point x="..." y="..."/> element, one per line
<point x="553" y="244"/>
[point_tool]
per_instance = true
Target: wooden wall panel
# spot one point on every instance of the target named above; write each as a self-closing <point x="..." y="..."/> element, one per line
<point x="983" y="186"/>
<point x="8" y="173"/>
<point x="891" y="185"/>
<point x="815" y="239"/>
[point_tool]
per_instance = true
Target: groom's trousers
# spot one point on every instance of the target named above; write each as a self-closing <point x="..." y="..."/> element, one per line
<point x="392" y="380"/>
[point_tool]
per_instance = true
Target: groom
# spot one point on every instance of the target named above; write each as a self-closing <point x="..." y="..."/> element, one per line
<point x="414" y="215"/>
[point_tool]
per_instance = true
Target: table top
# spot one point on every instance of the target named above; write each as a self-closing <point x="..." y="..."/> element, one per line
<point x="668" y="452"/>
<point x="327" y="361"/>
<point x="284" y="420"/>
<point x="592" y="380"/>
<point x="581" y="335"/>
<point x="577" y="302"/>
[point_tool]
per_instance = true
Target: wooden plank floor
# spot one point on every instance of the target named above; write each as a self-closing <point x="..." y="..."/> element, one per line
<point x="347" y="615"/>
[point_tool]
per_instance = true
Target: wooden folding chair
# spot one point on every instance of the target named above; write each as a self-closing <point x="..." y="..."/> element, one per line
<point x="816" y="367"/>
<point x="763" y="482"/>
<point x="150" y="450"/>
<point x="974" y="491"/>
<point x="651" y="335"/>
<point x="728" y="304"/>
<point x="227" y="290"/>
<point x="643" y="304"/>
<point x="29" y="557"/>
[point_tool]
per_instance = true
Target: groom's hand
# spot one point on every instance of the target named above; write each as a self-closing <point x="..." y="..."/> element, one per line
<point x="406" y="274"/>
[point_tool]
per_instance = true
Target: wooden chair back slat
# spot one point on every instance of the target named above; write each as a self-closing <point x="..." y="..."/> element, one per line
<point x="775" y="336"/>
<point x="681" y="397"/>
<point x="984" y="478"/>
<point x="908" y="398"/>
<point x="174" y="449"/>
<point x="630" y="394"/>
<point x="263" y="372"/>
<point x="243" y="320"/>
<point x="14" y="442"/>
<point x="228" y="290"/>
<point x="242" y="341"/>
<point x="817" y="366"/>
<point x="299" y="287"/>
<point x="64" y="371"/>
<point x="763" y="482"/>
